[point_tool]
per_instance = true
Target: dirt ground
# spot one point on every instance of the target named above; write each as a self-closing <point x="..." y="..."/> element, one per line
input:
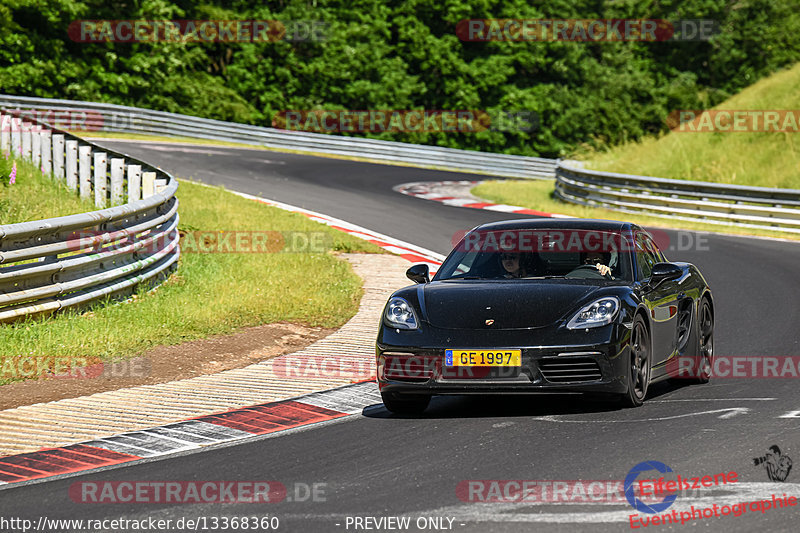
<point x="168" y="363"/>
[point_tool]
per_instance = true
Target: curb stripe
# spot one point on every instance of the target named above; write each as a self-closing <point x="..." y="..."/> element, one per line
<point x="213" y="433"/>
<point x="352" y="399"/>
<point x="259" y="420"/>
<point x="50" y="462"/>
<point x="404" y="249"/>
<point x="103" y="456"/>
<point x="6" y="478"/>
<point x="38" y="463"/>
<point x="426" y="191"/>
<point x="190" y="434"/>
<point x="75" y="457"/>
<point x="21" y="473"/>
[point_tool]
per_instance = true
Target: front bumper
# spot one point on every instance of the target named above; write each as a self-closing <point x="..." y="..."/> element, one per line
<point x="595" y="360"/>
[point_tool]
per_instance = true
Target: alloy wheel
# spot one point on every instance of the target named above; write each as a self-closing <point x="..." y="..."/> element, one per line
<point x="640" y="359"/>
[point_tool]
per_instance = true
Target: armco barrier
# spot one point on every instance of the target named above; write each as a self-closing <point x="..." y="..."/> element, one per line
<point x="756" y="207"/>
<point x="117" y="118"/>
<point x="57" y="263"/>
<point x="712" y="203"/>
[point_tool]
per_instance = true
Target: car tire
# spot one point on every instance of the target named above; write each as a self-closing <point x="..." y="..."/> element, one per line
<point x="705" y="343"/>
<point x="639" y="364"/>
<point x="405" y="404"/>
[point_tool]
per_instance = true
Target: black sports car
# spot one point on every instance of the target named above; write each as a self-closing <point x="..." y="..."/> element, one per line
<point x="546" y="305"/>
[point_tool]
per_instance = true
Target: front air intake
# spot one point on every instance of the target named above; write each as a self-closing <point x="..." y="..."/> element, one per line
<point x="408" y="367"/>
<point x="569" y="369"/>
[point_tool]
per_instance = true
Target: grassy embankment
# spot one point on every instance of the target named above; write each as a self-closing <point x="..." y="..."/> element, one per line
<point x="211" y="293"/>
<point x="34" y="196"/>
<point x="758" y="159"/>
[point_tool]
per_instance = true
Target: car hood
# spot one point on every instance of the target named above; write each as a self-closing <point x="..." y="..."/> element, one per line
<point x="513" y="304"/>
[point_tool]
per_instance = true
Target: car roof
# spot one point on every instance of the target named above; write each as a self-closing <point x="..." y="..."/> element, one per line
<point x="559" y="223"/>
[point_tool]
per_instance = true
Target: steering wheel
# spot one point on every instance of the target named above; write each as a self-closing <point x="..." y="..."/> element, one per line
<point x="583" y="270"/>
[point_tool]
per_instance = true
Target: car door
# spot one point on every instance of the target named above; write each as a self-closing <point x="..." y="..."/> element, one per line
<point x="661" y="302"/>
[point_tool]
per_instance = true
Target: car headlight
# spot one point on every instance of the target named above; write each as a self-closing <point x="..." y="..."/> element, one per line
<point x="596" y="314"/>
<point x="399" y="314"/>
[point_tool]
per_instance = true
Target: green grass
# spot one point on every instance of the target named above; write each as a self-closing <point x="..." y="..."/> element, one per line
<point x="210" y="293"/>
<point x="759" y="159"/>
<point x="34" y="195"/>
<point x="538" y="194"/>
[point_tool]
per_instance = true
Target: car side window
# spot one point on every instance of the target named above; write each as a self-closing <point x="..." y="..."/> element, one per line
<point x="653" y="248"/>
<point x="646" y="255"/>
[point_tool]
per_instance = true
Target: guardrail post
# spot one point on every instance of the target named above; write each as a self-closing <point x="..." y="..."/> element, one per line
<point x="26" y="141"/>
<point x="47" y="151"/>
<point x="117" y="174"/>
<point x="58" y="156"/>
<point x="32" y="287"/>
<point x="5" y="133"/>
<point x="85" y="171"/>
<point x="72" y="164"/>
<point x="100" y="179"/>
<point x="16" y="140"/>
<point x="36" y="146"/>
<point x="134" y="182"/>
<point x="148" y="184"/>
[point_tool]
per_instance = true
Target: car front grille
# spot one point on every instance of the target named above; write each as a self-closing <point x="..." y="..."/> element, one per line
<point x="569" y="369"/>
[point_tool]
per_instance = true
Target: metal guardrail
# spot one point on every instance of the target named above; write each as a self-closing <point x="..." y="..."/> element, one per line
<point x="756" y="207"/>
<point x="57" y="263"/>
<point x="711" y="203"/>
<point x="124" y="119"/>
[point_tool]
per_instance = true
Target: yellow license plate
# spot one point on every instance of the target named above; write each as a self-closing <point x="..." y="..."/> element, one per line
<point x="482" y="357"/>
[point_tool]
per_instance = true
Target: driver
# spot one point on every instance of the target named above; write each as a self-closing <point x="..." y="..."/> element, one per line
<point x="597" y="260"/>
<point x="512" y="263"/>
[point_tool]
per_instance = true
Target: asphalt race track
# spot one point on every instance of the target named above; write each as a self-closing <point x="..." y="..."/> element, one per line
<point x="379" y="465"/>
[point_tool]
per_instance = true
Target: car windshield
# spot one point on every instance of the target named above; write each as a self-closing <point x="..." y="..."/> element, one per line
<point x="540" y="253"/>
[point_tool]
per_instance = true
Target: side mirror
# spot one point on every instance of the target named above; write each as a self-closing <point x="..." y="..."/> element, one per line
<point x="419" y="274"/>
<point x="664" y="271"/>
